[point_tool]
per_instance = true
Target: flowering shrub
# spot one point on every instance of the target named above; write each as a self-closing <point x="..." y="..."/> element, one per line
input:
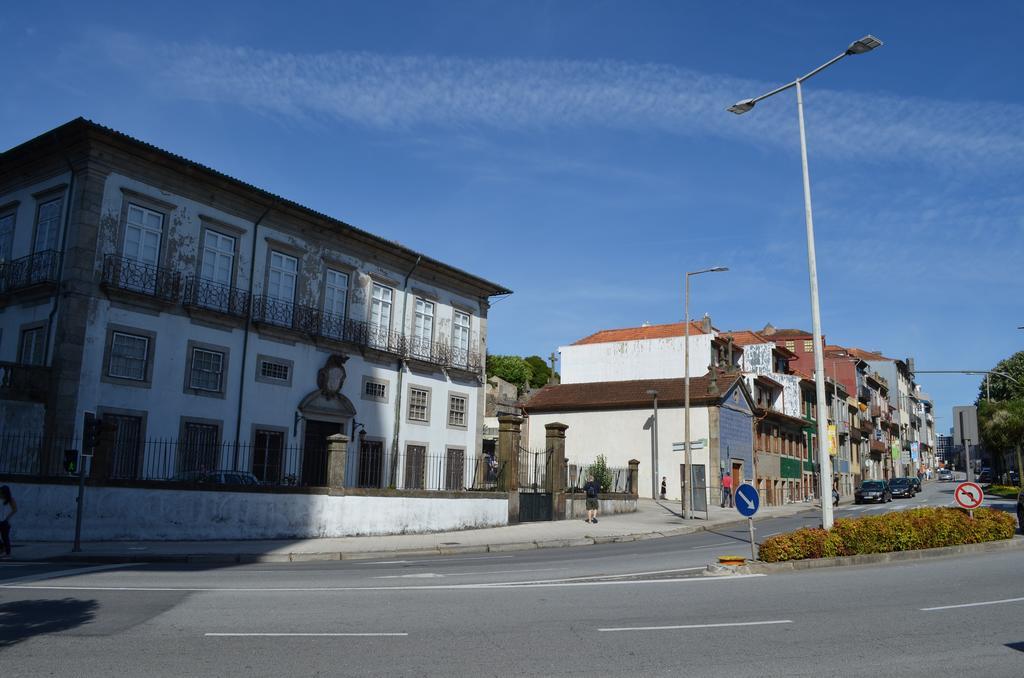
<point x="921" y="528"/>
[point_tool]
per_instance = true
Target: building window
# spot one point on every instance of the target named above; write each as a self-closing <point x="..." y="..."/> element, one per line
<point x="808" y="345"/>
<point x="455" y="470"/>
<point x="199" y="448"/>
<point x="415" y="466"/>
<point x="791" y="346"/>
<point x="48" y="225"/>
<point x="6" y="237"/>
<point x="126" y="457"/>
<point x="267" y="455"/>
<point x="380" y="307"/>
<point x="128" y="356"/>
<point x="419" y="404"/>
<point x="142" y="232"/>
<point x="281" y="277"/>
<point x="218" y="258"/>
<point x="33" y="346"/>
<point x="457" y="411"/>
<point x="423" y="328"/>
<point x="375" y="390"/>
<point x="274" y="371"/>
<point x="207" y="370"/>
<point x="335" y="292"/>
<point x="460" y="338"/>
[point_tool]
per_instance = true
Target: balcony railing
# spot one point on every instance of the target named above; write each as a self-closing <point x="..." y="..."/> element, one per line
<point x="24" y="381"/>
<point x="464" y="359"/>
<point x="40" y="268"/>
<point x="213" y="296"/>
<point x="128" y="275"/>
<point x="864" y="394"/>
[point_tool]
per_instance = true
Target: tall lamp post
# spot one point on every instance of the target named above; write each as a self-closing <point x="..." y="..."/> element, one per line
<point x="688" y="480"/>
<point x="654" y="445"/>
<point x="865" y="44"/>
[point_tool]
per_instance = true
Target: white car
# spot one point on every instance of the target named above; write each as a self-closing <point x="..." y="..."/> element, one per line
<point x="945" y="475"/>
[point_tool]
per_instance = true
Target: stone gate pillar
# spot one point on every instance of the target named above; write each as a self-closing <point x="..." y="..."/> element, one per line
<point x="337" y="455"/>
<point x="554" y="443"/>
<point x="634" y="477"/>
<point x="509" y="434"/>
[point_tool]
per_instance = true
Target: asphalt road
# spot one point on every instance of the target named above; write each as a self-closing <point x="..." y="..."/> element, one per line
<point x="609" y="610"/>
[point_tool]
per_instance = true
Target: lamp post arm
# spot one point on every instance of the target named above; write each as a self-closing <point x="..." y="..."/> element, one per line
<point x="793" y="84"/>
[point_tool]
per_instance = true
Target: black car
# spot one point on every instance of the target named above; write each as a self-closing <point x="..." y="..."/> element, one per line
<point x="873" y="490"/>
<point x="916" y="482"/>
<point x="902" y="487"/>
<point x="985" y="476"/>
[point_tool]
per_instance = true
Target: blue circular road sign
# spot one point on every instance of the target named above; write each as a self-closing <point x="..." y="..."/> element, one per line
<point x="747" y="500"/>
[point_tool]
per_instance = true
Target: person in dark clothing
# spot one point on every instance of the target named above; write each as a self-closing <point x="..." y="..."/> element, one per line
<point x="8" y="507"/>
<point x="664" y="486"/>
<point x="592" y="488"/>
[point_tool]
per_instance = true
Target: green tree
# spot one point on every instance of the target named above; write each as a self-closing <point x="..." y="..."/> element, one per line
<point x="599" y="469"/>
<point x="541" y="371"/>
<point x="511" y="368"/>
<point x="1002" y="427"/>
<point x="999" y="386"/>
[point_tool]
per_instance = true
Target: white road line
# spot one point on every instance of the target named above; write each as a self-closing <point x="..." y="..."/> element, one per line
<point x="699" y="626"/>
<point x="357" y="589"/>
<point x="301" y="635"/>
<point x="987" y="602"/>
<point x="428" y="575"/>
<point x="711" y="546"/>
<point x="63" y="573"/>
<point x="436" y="560"/>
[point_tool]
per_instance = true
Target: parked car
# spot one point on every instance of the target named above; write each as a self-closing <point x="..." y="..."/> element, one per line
<point x="873" y="490"/>
<point x="901" y="487"/>
<point x="218" y="477"/>
<point x="916" y="482"/>
<point x="985" y="476"/>
<point x="945" y="475"/>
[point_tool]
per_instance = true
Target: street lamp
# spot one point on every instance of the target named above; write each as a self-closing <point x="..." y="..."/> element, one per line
<point x="654" y="446"/>
<point x="688" y="480"/>
<point x="865" y="44"/>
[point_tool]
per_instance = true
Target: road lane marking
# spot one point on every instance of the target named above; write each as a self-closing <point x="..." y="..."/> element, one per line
<point x="357" y="589"/>
<point x="429" y="575"/>
<point x="64" y="573"/>
<point x="987" y="602"/>
<point x="301" y="635"/>
<point x="699" y="626"/>
<point x="437" y="559"/>
<point x="711" y="546"/>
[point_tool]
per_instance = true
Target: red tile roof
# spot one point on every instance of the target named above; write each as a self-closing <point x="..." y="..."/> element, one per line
<point x="790" y="334"/>
<point x="867" y="355"/>
<point x="625" y="395"/>
<point x="640" y="333"/>
<point x="747" y="337"/>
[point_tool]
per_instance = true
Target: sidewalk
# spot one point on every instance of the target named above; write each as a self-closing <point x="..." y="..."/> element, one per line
<point x="653" y="520"/>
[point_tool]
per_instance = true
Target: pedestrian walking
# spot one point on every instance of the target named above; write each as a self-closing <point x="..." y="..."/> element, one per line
<point x="8" y="507"/>
<point x="592" y="488"/>
<point x="726" y="490"/>
<point x="664" y="486"/>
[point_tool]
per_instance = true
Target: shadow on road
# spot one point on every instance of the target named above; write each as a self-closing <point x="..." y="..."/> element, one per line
<point x="1019" y="647"/>
<point x="24" y="619"/>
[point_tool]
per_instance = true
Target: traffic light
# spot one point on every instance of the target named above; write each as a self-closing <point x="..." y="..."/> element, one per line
<point x="71" y="461"/>
<point x="90" y="433"/>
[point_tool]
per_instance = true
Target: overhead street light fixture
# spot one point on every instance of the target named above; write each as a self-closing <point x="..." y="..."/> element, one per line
<point x="741" y="107"/>
<point x="865" y="44"/>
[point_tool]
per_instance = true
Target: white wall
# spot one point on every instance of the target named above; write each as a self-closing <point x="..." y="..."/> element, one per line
<point x="47" y="513"/>
<point x="621" y="435"/>
<point x="627" y="360"/>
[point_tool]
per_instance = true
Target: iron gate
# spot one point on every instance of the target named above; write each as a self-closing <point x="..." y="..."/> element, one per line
<point x="535" y="496"/>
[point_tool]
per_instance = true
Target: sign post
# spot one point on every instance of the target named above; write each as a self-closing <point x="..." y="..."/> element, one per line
<point x="969" y="496"/>
<point x="748" y="501"/>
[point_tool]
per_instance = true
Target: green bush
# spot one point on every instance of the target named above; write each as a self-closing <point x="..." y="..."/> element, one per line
<point x="1005" y="491"/>
<point x="921" y="528"/>
<point x="599" y="469"/>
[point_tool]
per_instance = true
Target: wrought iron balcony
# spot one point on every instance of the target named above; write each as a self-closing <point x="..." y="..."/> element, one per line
<point x="281" y="313"/>
<point x="213" y="296"/>
<point x="864" y="394"/>
<point x="30" y="382"/>
<point x="428" y="351"/>
<point x="40" y="268"/>
<point x="128" y="275"/>
<point x="464" y="359"/>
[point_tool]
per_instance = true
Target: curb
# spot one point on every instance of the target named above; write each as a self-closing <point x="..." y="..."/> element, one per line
<point x="1012" y="544"/>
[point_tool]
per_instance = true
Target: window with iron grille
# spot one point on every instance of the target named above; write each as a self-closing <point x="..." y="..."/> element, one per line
<point x="456" y="410"/>
<point x="207" y="370"/>
<point x="199" y="447"/>
<point x="267" y="455"/>
<point x="128" y="355"/>
<point x="419" y="404"/>
<point x="415" y="466"/>
<point x="375" y="390"/>
<point x="455" y="469"/>
<point x="273" y="370"/>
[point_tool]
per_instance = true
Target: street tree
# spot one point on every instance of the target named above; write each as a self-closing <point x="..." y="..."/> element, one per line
<point x="1001" y="425"/>
<point x="999" y="386"/>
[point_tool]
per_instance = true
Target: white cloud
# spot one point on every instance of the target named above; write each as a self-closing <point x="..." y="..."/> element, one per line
<point x="405" y="92"/>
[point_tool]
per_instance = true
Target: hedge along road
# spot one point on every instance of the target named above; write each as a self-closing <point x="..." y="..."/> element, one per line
<point x="504" y="614"/>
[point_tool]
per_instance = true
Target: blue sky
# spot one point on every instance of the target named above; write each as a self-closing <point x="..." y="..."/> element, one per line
<point x="580" y="152"/>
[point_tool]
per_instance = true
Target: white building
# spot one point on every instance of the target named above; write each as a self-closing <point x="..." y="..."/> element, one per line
<point x="182" y="304"/>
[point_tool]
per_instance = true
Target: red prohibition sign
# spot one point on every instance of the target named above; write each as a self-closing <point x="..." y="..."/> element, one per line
<point x="969" y="495"/>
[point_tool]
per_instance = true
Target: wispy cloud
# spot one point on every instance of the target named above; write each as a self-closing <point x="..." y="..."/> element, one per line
<point x="407" y="92"/>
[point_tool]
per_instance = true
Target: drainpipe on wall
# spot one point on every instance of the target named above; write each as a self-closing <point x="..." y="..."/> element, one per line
<point x="401" y="373"/>
<point x="245" y="336"/>
<point x="50" y="329"/>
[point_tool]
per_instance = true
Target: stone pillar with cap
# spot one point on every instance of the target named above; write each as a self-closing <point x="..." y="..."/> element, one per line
<point x="509" y="440"/>
<point x="634" y="477"/>
<point x="554" y="444"/>
<point x="337" y="454"/>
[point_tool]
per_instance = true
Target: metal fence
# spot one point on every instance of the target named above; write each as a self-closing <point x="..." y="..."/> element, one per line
<point x="266" y="462"/>
<point x="620" y="478"/>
